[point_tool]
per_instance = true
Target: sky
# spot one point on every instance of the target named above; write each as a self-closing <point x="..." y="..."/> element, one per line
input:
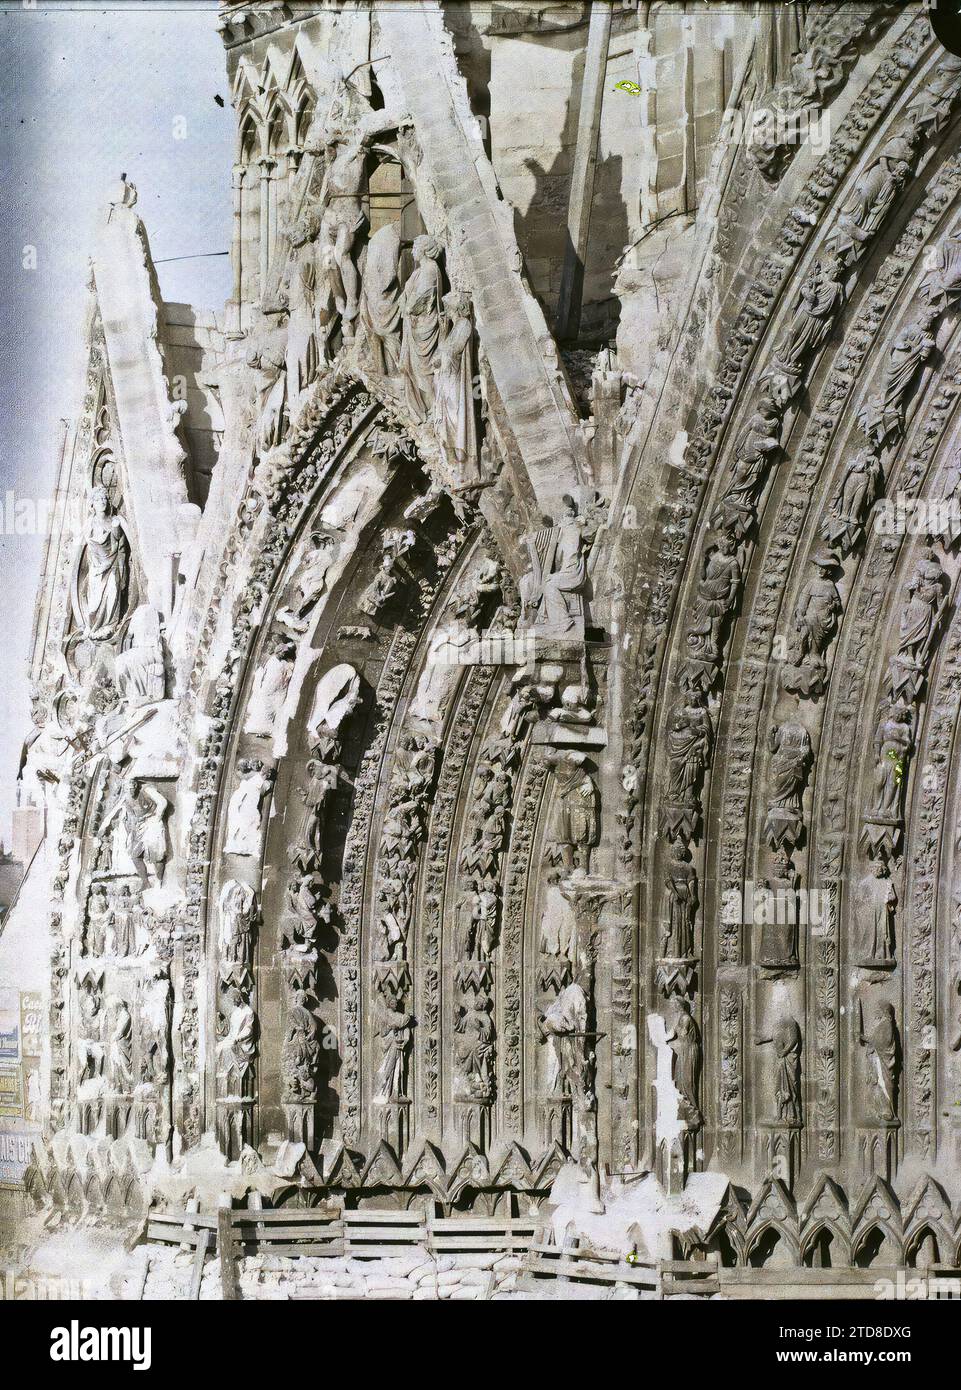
<point x="89" y="92"/>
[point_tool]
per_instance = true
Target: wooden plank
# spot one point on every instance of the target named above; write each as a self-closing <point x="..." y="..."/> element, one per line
<point x="250" y="1231"/>
<point x="467" y="1243"/>
<point x="708" y="1266"/>
<point x="169" y="1236"/>
<point x="370" y="1252"/>
<point x="179" y="1219"/>
<point x="229" y="1284"/>
<point x="595" y="1273"/>
<point x="383" y="1218"/>
<point x="483" y="1223"/>
<point x="288" y="1216"/>
<point x="333" y="1251"/>
<point x="197" y="1273"/>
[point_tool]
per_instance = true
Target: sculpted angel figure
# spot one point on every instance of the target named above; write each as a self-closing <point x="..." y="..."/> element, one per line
<point x="103" y="570"/>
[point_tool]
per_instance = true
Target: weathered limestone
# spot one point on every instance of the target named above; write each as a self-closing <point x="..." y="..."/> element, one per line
<point x="515" y="790"/>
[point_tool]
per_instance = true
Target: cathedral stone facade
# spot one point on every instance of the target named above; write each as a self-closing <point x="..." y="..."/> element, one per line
<point x="498" y="678"/>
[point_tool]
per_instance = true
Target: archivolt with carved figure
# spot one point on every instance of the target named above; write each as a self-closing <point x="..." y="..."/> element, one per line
<point x="409" y="771"/>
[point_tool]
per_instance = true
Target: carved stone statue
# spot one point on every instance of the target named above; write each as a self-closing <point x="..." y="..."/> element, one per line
<point x="98" y="915"/>
<point x="123" y="931"/>
<point x="139" y="667"/>
<point x="140" y="814"/>
<point x="564" y="1024"/>
<point x="787" y="1042"/>
<point x="244" y="810"/>
<point x="752" y="457"/>
<point x="684" y="1039"/>
<point x="892" y="744"/>
<point x="882" y="1043"/>
<point x="779" y="919"/>
<point x="311" y="583"/>
<point x="303" y="355"/>
<point x="848" y="509"/>
<point x="156" y="1014"/>
<point x="269" y="689"/>
<point x="421" y="307"/>
<point x="813" y="627"/>
<point x="558" y="926"/>
<point x="875" y="900"/>
<point x="874" y="193"/>
<point x="481" y="926"/>
<point x="237" y="1047"/>
<point x="819" y="300"/>
<point x="716" y="597"/>
<point x="942" y="284"/>
<point x="237" y="906"/>
<point x="337" y="696"/>
<point x="454" y="407"/>
<point x="300" y="1050"/>
<point x="396" y="1033"/>
<point x="380" y="301"/>
<point x="102" y="573"/>
<point x="267" y="357"/>
<point x="882" y="419"/>
<point x="120" y="1046"/>
<point x="343" y="216"/>
<point x="679" y="905"/>
<point x="574" y="828"/>
<point x="552" y="593"/>
<point x="689" y="747"/>
<point x="791" y="748"/>
<point x="475" y="1051"/>
<point x="919" y="618"/>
